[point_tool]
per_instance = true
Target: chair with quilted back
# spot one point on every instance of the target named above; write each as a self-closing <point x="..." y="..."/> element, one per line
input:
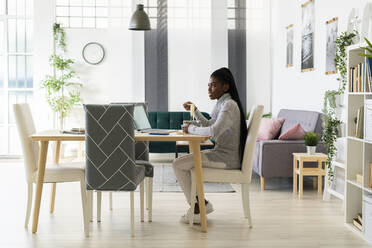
<point x="110" y="151"/>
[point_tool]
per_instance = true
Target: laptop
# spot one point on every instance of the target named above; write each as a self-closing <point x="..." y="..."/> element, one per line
<point x="143" y="124"/>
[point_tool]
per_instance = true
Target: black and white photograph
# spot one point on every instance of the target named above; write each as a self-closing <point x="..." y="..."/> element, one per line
<point x="331" y="35"/>
<point x="289" y="45"/>
<point x="307" y="38"/>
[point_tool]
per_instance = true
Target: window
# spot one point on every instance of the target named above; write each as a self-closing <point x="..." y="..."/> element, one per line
<point x="151" y="8"/>
<point x="16" y="79"/>
<point x="236" y="13"/>
<point x="83" y="13"/>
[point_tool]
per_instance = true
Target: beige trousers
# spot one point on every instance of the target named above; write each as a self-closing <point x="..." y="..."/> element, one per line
<point x="182" y="168"/>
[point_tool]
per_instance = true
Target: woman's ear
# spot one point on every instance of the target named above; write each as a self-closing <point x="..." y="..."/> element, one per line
<point x="226" y="87"/>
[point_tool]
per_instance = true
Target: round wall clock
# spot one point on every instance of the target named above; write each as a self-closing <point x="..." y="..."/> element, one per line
<point x="93" y="53"/>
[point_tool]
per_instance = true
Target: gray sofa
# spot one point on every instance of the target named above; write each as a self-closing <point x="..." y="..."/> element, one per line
<point x="273" y="158"/>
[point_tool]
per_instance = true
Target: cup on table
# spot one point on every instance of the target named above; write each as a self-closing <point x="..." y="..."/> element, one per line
<point x="185" y="124"/>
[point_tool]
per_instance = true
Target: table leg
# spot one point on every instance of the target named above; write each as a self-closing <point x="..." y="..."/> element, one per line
<point x="294" y="176"/>
<point x="301" y="179"/>
<point x="57" y="149"/>
<point x="195" y="148"/>
<point x="320" y="179"/>
<point x="40" y="180"/>
<point x="315" y="182"/>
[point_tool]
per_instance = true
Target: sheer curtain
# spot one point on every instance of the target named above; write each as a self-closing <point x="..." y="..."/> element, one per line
<point x="197" y="43"/>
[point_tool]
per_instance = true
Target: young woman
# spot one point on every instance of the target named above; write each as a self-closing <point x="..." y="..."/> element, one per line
<point x="228" y="129"/>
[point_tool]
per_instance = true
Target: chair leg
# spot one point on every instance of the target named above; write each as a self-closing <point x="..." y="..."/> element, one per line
<point x="29" y="203"/>
<point x="90" y="204"/>
<point x="99" y="203"/>
<point x="263" y="183"/>
<point x="132" y="213"/>
<point x="86" y="208"/>
<point x="147" y="192"/>
<point x="192" y="202"/>
<point x="150" y="199"/>
<point x="110" y="200"/>
<point x="53" y="197"/>
<point x="246" y="205"/>
<point x="142" y="196"/>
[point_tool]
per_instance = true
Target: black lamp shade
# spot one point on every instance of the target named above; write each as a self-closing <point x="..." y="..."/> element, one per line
<point x="139" y="20"/>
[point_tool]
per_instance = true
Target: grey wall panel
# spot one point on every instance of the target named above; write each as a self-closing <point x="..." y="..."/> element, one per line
<point x="237" y="51"/>
<point x="238" y="62"/>
<point x="156" y="62"/>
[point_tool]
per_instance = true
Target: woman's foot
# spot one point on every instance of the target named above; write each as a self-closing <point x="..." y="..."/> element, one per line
<point x="208" y="207"/>
<point x="186" y="217"/>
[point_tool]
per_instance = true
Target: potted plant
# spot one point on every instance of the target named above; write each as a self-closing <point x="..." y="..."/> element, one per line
<point x="62" y="88"/>
<point x="331" y="121"/>
<point x="311" y="140"/>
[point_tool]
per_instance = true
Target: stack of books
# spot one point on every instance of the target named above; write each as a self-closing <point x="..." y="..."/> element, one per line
<point x="358" y="222"/>
<point x="360" y="78"/>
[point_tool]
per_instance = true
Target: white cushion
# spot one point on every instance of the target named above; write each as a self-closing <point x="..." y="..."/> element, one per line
<point x="64" y="172"/>
<point x="222" y="175"/>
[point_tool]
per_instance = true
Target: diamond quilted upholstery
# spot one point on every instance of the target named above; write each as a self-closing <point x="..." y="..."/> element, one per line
<point x="110" y="144"/>
<point x="142" y="147"/>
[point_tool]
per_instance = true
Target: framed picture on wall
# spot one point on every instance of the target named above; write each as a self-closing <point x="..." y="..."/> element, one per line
<point x="289" y="45"/>
<point x="331" y="48"/>
<point x="307" y="36"/>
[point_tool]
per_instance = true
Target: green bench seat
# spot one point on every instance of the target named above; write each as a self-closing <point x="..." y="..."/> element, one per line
<point x="168" y="120"/>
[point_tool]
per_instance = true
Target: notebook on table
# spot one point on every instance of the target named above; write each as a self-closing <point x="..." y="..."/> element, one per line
<point x="143" y="124"/>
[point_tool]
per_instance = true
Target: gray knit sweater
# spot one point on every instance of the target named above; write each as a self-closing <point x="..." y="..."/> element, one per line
<point x="224" y="128"/>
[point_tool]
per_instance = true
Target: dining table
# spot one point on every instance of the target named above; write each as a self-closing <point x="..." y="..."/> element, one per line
<point x="57" y="136"/>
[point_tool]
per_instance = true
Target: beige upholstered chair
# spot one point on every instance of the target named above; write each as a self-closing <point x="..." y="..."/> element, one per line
<point x="69" y="172"/>
<point x="242" y="176"/>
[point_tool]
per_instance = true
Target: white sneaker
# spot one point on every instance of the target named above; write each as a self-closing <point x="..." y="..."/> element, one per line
<point x="185" y="218"/>
<point x="209" y="208"/>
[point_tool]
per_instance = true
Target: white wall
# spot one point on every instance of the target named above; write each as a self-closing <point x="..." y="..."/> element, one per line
<point x="120" y="77"/>
<point x="258" y="54"/>
<point x="291" y="87"/>
<point x="197" y="45"/>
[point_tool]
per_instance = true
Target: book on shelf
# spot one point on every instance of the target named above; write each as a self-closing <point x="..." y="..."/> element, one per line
<point x="358" y="224"/>
<point x="360" y="78"/>
<point x="370" y="175"/>
<point x="359" y="178"/>
<point x="359" y="123"/>
<point x="360" y="218"/>
<point x="368" y="119"/>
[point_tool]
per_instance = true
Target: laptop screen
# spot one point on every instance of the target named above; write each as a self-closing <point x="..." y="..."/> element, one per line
<point x="140" y="118"/>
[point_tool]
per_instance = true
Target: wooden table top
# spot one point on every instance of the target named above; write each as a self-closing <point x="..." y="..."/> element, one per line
<point x="56" y="135"/>
<point x="317" y="155"/>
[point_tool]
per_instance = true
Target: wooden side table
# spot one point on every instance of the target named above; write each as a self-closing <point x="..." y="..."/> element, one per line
<point x="298" y="169"/>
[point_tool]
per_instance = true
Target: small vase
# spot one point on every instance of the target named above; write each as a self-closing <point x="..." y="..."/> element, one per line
<point x="310" y="150"/>
<point x="61" y="125"/>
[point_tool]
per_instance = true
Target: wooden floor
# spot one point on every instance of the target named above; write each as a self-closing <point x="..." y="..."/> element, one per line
<point x="279" y="220"/>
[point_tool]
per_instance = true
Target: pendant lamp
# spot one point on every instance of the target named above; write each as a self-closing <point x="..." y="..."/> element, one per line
<point x="139" y="20"/>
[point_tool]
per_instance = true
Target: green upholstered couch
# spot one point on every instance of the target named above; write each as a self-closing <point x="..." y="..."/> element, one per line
<point x="168" y="120"/>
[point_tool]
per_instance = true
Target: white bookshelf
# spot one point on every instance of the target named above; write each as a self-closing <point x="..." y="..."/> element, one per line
<point x="358" y="150"/>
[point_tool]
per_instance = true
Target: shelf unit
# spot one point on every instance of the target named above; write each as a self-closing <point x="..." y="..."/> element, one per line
<point x="358" y="152"/>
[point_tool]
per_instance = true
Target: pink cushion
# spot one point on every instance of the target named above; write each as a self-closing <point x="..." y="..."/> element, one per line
<point x="294" y="133"/>
<point x="269" y="128"/>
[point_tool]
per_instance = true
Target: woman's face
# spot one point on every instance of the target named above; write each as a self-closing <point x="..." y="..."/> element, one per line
<point x="216" y="89"/>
